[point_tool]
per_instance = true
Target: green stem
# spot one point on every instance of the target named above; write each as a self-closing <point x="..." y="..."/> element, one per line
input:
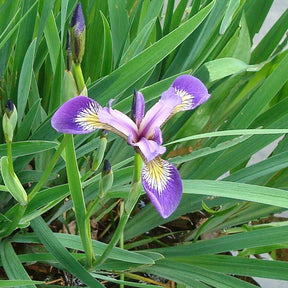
<point x="128" y="207"/>
<point x="49" y="168"/>
<point x="91" y="207"/>
<point x="9" y="155"/>
<point x="121" y="242"/>
<point x="78" y="75"/>
<point x="75" y="187"/>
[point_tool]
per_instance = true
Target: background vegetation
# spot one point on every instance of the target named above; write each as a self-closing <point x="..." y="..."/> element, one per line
<point x="228" y="215"/>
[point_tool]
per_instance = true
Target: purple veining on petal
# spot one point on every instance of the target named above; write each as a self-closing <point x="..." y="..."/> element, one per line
<point x="162" y="183"/>
<point x="149" y="148"/>
<point x="78" y="20"/>
<point x="77" y="116"/>
<point x="158" y="115"/>
<point x="119" y="122"/>
<point x="191" y="90"/>
<point x="157" y="137"/>
<point x="138" y="107"/>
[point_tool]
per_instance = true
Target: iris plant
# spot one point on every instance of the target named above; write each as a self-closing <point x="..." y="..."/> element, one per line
<point x="160" y="179"/>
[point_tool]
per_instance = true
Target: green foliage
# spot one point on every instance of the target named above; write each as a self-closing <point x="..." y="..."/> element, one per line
<point x="145" y="45"/>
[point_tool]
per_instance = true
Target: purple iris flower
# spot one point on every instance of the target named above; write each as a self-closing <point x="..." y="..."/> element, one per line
<point x="161" y="180"/>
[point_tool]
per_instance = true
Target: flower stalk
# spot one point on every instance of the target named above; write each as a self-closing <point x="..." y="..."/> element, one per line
<point x="75" y="188"/>
<point x="130" y="203"/>
<point x="105" y="184"/>
<point x="76" y="45"/>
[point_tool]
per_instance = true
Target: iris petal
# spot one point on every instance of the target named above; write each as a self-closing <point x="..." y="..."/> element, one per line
<point x="158" y="115"/>
<point x="192" y="91"/>
<point x="77" y="116"/>
<point x="138" y="107"/>
<point x="163" y="185"/>
<point x="118" y="122"/>
<point x="149" y="148"/>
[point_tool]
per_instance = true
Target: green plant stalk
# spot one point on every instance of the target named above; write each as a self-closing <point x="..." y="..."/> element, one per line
<point x="9" y="155"/>
<point x="17" y="211"/>
<point x="98" y="159"/>
<point x="76" y="191"/>
<point x="49" y="168"/>
<point x="128" y="207"/>
<point x="78" y="76"/>
<point x="121" y="242"/>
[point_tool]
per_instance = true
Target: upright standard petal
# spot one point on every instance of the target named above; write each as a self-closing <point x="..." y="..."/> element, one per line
<point x="158" y="115"/>
<point x="138" y="107"/>
<point x="77" y="116"/>
<point x="191" y="90"/>
<point x="163" y="185"/>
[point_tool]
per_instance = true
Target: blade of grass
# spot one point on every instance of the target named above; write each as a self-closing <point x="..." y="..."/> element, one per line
<point x="241" y="191"/>
<point x="25" y="80"/>
<point x="12" y="264"/>
<point x="126" y="75"/>
<point x="53" y="245"/>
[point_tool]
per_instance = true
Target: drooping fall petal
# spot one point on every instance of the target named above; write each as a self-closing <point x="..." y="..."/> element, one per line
<point x="77" y="116"/>
<point x="191" y="90"/>
<point x="162" y="183"/>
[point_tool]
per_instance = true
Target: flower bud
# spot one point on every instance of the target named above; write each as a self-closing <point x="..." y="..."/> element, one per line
<point x="78" y="37"/>
<point x="12" y="182"/>
<point x="9" y="121"/>
<point x="68" y="51"/>
<point x="107" y="169"/>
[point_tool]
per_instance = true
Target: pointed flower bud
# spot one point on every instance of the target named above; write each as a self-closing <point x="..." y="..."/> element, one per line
<point x="68" y="51"/>
<point x="78" y="36"/>
<point x="138" y="107"/>
<point x="12" y="182"/>
<point x="9" y="121"/>
<point x="9" y="106"/>
<point x="106" y="168"/>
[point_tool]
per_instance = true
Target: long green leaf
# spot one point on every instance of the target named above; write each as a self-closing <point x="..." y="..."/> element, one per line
<point x="240" y="266"/>
<point x="252" y="239"/>
<point x="28" y="147"/>
<point x="61" y="254"/>
<point x="16" y="283"/>
<point x="25" y="80"/>
<point x="12" y="264"/>
<point x="241" y="191"/>
<point x="232" y="133"/>
<point x="195" y="276"/>
<point x="126" y="75"/>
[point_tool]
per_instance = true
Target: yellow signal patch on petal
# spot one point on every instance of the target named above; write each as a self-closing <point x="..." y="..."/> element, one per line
<point x="88" y="118"/>
<point x="187" y="101"/>
<point x="157" y="174"/>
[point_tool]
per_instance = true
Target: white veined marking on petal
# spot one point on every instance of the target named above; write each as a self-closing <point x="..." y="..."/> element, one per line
<point x="187" y="100"/>
<point x="157" y="174"/>
<point x="87" y="117"/>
